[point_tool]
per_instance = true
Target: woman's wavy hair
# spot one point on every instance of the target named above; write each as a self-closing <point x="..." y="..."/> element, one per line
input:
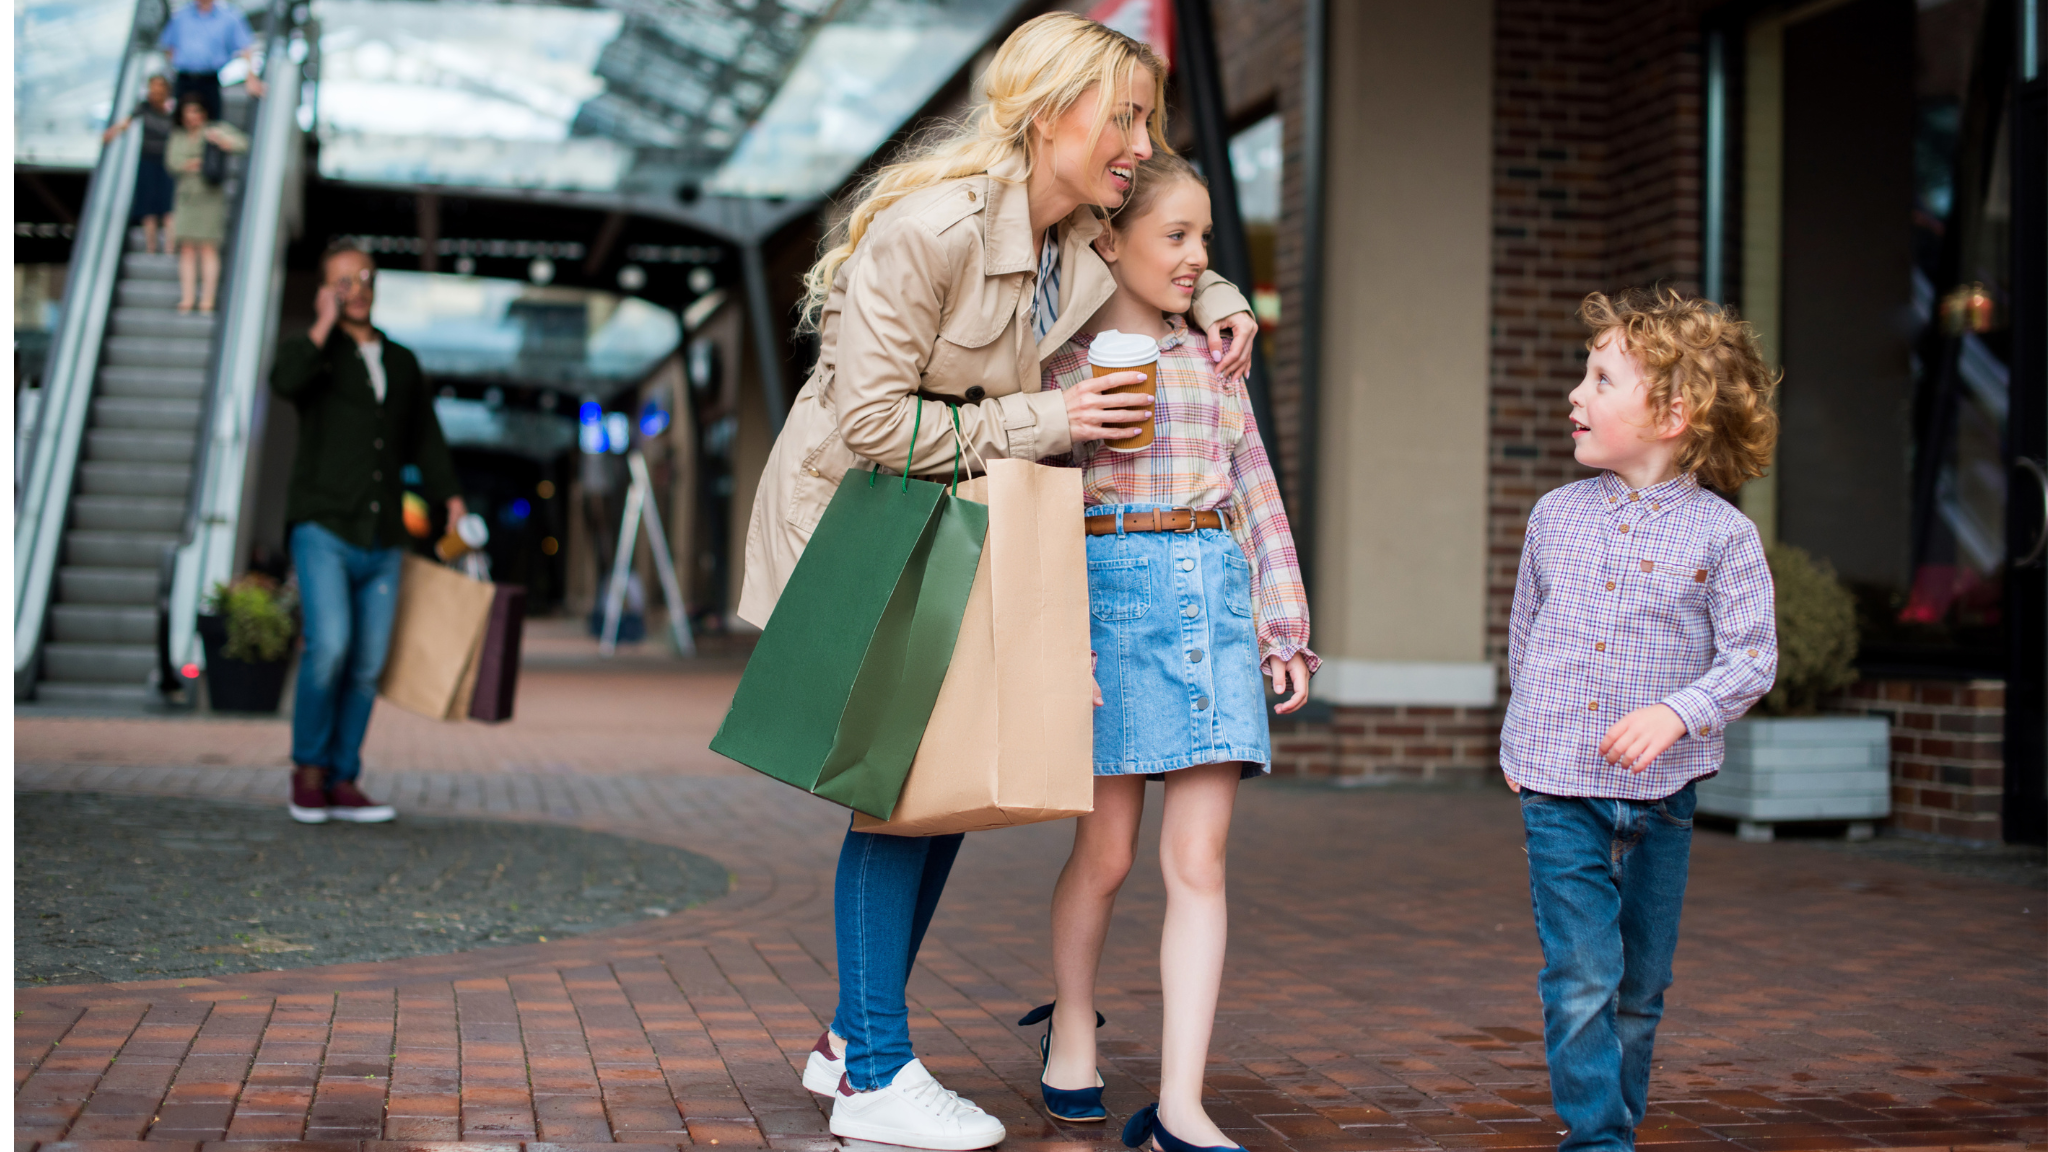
<point x="1702" y="353"/>
<point x="1041" y="70"/>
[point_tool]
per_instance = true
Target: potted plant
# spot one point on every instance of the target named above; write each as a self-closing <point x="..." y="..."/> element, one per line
<point x="1785" y="762"/>
<point x="247" y="629"/>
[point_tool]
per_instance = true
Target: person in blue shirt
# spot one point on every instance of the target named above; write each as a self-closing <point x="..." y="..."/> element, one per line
<point x="199" y="40"/>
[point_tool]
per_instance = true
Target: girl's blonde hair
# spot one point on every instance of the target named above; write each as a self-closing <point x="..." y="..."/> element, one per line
<point x="1155" y="174"/>
<point x="1041" y="70"/>
<point x="1697" y="351"/>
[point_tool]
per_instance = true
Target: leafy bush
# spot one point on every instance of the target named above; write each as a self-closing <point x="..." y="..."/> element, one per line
<point x="259" y="616"/>
<point x="1816" y="633"/>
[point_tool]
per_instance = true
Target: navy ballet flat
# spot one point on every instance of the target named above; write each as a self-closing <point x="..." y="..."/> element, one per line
<point x="1145" y="1125"/>
<point x="1074" y="1105"/>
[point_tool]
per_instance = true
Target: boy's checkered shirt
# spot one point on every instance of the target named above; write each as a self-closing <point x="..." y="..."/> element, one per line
<point x="1624" y="600"/>
<point x="1205" y="454"/>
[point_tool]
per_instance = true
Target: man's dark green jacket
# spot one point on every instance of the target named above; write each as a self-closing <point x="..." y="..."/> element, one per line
<point x="349" y="473"/>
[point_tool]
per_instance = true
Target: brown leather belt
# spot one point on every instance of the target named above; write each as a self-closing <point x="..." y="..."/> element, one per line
<point x="1156" y="520"/>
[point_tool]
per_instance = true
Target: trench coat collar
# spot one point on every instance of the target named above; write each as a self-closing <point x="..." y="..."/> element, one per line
<point x="1085" y="282"/>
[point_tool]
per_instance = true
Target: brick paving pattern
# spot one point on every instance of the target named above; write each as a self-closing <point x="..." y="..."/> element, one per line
<point x="1380" y="995"/>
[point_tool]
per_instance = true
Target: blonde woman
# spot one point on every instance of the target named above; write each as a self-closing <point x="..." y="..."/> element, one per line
<point x="958" y="271"/>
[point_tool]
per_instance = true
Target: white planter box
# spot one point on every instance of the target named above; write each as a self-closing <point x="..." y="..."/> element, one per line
<point x="1803" y="768"/>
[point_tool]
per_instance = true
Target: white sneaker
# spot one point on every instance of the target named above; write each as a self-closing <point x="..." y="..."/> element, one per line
<point x="915" y="1111"/>
<point x="823" y="1070"/>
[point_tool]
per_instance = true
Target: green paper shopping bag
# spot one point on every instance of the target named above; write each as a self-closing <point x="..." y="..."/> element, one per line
<point x="841" y="685"/>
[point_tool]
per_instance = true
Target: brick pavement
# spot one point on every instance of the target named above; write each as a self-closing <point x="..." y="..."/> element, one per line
<point x="1380" y="993"/>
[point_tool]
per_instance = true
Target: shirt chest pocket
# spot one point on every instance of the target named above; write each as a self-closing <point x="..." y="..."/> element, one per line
<point x="1674" y="584"/>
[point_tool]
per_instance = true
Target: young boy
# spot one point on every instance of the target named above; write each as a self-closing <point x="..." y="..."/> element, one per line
<point x="1643" y="624"/>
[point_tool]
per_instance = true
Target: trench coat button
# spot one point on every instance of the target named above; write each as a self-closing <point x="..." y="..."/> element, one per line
<point x="1201" y="703"/>
<point x="1194" y="655"/>
<point x="1191" y="611"/>
<point x="977" y="394"/>
<point x="813" y="472"/>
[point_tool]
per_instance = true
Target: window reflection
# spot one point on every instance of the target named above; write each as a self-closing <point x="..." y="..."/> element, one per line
<point x="67" y="54"/>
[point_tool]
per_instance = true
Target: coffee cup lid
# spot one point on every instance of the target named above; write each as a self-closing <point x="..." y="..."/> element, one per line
<point x="1114" y="349"/>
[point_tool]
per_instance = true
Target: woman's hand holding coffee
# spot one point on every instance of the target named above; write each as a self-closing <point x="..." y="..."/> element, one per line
<point x="1092" y="415"/>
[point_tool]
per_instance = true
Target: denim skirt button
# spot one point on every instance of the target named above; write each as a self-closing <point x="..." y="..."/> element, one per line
<point x="1187" y="565"/>
<point x="1201" y="703"/>
<point x="1191" y="611"/>
<point x="1194" y="655"/>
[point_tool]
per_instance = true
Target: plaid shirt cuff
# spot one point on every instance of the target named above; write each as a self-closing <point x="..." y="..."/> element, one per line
<point x="1700" y="711"/>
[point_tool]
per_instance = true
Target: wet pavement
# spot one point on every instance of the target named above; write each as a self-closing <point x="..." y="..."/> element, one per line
<point x="114" y="888"/>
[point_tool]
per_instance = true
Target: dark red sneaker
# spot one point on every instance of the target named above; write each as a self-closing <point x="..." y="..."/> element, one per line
<point x="345" y="801"/>
<point x="309" y="794"/>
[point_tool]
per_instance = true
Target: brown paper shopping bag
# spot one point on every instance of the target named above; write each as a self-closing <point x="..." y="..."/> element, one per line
<point x="1012" y="738"/>
<point x="435" y="638"/>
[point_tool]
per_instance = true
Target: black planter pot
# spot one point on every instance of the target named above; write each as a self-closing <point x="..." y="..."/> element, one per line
<point x="238" y="685"/>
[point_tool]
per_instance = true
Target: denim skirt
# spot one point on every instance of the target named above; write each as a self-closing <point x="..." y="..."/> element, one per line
<point x="1177" y="656"/>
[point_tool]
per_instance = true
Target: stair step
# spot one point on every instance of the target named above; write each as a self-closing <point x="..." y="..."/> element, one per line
<point x="146" y="294"/>
<point x="99" y="663"/>
<point x="155" y="352"/>
<point x="127" y="514"/>
<point x="149" y="266"/>
<point x="160" y="322"/>
<point x="146" y="382"/>
<point x="97" y="697"/>
<point x="112" y="478"/>
<point x="141" y="413"/>
<point x="130" y="445"/>
<point x="102" y="624"/>
<point x="89" y="549"/>
<point x="131" y="586"/>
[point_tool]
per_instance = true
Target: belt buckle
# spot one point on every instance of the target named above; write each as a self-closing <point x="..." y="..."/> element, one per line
<point x="1192" y="518"/>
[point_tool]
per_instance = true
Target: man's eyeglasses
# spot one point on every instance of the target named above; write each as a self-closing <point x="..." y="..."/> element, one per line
<point x="365" y="280"/>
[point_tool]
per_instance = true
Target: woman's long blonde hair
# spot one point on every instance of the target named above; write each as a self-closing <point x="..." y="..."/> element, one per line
<point x="1046" y="65"/>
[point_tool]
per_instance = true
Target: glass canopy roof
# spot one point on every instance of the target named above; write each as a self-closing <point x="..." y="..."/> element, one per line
<point x="778" y="98"/>
<point x="66" y="56"/>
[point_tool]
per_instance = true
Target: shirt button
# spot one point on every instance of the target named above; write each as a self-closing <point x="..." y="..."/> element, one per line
<point x="1623" y="529"/>
<point x="1752" y="653"/>
<point x="1194" y="655"/>
<point x="1201" y="703"/>
<point x="1593" y="706"/>
<point x="1634" y="496"/>
<point x="1191" y="611"/>
<point x="1610" y="585"/>
<point x="1655" y="506"/>
<point x="1600" y="647"/>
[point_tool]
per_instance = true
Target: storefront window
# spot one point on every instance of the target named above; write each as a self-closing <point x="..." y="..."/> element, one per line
<point x="1255" y="162"/>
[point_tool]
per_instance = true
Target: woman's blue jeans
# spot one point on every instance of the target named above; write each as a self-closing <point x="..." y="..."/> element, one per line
<point x="882" y="902"/>
<point x="349" y="596"/>
<point x="1607" y="878"/>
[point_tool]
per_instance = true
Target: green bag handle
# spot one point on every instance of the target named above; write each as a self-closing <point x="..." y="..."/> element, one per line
<point x="917" y="422"/>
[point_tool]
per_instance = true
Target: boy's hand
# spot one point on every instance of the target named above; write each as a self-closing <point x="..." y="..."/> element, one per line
<point x="1294" y="669"/>
<point x="1640" y="737"/>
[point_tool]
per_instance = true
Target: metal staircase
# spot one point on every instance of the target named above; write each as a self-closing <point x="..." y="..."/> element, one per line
<point x="134" y="479"/>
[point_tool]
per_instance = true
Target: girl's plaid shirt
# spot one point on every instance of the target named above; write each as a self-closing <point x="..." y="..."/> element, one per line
<point x="1205" y="454"/>
<point x="1625" y="600"/>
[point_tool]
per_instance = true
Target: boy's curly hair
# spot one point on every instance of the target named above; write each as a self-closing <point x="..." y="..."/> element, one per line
<point x="1704" y="354"/>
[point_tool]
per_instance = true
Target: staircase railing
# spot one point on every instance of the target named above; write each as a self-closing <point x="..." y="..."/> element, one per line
<point x="96" y="250"/>
<point x="229" y="431"/>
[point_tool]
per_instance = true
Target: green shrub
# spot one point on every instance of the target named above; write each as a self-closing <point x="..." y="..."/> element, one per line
<point x="1816" y="633"/>
<point x="259" y="616"/>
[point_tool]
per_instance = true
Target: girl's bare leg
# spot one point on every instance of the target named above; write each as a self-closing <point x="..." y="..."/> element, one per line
<point x="1105" y="841"/>
<point x="188" y="276"/>
<point x="170" y="233"/>
<point x="209" y="272"/>
<point x="149" y="235"/>
<point x="1192" y="845"/>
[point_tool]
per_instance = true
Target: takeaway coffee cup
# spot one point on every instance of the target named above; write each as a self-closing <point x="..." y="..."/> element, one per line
<point x="1115" y="351"/>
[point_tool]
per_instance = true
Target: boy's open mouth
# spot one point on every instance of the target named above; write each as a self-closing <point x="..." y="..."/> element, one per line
<point x="1579" y="429"/>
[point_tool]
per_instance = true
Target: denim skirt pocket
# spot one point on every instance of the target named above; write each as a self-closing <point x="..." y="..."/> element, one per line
<point x="1237" y="583"/>
<point x="1119" y="589"/>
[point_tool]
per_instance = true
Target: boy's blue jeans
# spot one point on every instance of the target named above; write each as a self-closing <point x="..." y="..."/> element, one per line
<point x="882" y="902"/>
<point x="1607" y="878"/>
<point x="349" y="596"/>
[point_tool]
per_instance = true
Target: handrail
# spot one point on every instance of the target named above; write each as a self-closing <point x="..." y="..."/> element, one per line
<point x="253" y="275"/>
<point x="97" y="247"/>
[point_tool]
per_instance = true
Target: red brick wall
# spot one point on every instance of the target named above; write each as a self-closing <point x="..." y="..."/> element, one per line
<point x="1948" y="753"/>
<point x="1388" y="745"/>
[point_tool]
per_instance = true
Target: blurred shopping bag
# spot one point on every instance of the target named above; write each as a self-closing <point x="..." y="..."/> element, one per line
<point x="436" y="639"/>
<point x="1011" y="739"/>
<point x="497" y="660"/>
<point x="837" y="692"/>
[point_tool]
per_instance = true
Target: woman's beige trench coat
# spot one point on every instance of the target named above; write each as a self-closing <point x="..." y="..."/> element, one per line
<point x="937" y="301"/>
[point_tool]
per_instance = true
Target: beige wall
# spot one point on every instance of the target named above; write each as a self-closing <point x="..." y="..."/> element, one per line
<point x="1401" y="590"/>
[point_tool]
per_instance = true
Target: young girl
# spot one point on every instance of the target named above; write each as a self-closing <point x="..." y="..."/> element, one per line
<point x="1192" y="588"/>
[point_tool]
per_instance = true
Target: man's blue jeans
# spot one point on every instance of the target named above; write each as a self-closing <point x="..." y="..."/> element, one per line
<point x="1607" y="878"/>
<point x="882" y="902"/>
<point x="348" y="595"/>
